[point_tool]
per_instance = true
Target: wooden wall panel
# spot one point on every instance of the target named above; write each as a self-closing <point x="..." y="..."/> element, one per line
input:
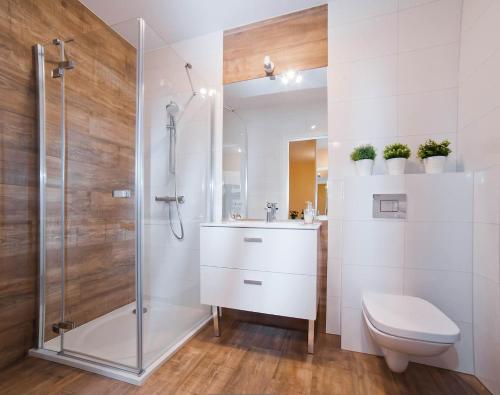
<point x="100" y="139"/>
<point x="298" y="41"/>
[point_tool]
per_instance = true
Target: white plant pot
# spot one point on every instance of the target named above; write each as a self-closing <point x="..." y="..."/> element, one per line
<point x="364" y="167"/>
<point x="396" y="166"/>
<point x="434" y="164"/>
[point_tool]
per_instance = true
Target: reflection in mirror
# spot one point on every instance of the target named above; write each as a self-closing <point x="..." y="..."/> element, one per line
<point x="267" y="125"/>
<point x="308" y="175"/>
<point x="234" y="165"/>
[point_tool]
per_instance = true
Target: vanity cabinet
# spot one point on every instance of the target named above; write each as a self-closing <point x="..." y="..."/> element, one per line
<point x="262" y="267"/>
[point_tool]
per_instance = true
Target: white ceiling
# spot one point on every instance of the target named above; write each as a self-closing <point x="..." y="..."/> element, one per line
<point x="176" y="20"/>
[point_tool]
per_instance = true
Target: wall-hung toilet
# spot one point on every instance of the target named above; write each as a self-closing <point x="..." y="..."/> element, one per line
<point x="403" y="326"/>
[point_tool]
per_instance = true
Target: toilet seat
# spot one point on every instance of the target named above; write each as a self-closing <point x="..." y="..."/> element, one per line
<point x="409" y="317"/>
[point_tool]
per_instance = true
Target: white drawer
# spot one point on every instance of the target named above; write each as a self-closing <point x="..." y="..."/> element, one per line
<point x="273" y="250"/>
<point x="288" y="295"/>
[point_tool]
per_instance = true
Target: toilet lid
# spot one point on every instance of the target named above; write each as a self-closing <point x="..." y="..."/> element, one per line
<point x="409" y="317"/>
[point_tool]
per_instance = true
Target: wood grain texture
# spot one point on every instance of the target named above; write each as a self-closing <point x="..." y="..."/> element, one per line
<point x="249" y="359"/>
<point x="100" y="133"/>
<point x="298" y="41"/>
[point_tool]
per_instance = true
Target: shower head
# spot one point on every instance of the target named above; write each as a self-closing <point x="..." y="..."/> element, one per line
<point x="172" y="109"/>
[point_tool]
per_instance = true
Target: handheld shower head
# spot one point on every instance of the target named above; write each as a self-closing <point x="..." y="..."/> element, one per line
<point x="172" y="109"/>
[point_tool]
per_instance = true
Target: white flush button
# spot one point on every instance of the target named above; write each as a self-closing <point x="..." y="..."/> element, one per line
<point x="389" y="206"/>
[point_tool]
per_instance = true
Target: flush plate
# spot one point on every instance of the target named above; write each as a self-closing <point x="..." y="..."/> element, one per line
<point x="389" y="205"/>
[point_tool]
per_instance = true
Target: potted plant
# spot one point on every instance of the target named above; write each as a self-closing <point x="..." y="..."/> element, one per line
<point x="434" y="155"/>
<point x="364" y="157"/>
<point x="395" y="156"/>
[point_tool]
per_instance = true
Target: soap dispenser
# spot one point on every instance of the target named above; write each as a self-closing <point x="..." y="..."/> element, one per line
<point x="309" y="213"/>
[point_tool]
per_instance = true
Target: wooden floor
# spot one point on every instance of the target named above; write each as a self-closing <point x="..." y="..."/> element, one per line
<point x="248" y="359"/>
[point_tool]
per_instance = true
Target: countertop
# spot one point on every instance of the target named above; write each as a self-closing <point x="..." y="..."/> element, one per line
<point x="263" y="224"/>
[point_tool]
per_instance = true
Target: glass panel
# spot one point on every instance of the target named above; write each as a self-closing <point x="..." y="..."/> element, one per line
<point x="235" y="161"/>
<point x="95" y="301"/>
<point x="177" y="161"/>
<point x="53" y="279"/>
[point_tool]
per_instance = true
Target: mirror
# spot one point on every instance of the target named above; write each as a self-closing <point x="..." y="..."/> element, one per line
<point x="275" y="146"/>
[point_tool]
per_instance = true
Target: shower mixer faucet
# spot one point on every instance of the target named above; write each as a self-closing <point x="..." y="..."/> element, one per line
<point x="169" y="199"/>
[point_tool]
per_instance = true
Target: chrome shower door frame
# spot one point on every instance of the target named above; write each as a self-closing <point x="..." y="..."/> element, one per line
<point x="39" y="56"/>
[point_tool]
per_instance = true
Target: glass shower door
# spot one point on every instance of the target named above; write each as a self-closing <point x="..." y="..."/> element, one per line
<point x="89" y="201"/>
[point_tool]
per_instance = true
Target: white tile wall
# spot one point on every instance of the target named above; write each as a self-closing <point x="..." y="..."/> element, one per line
<point x="374" y="236"/>
<point x="358" y="194"/>
<point x="439" y="246"/>
<point x="393" y="76"/>
<point x="365" y="118"/>
<point x="429" y="69"/>
<point x="450" y="291"/>
<point x="333" y="314"/>
<point x="479" y="145"/>
<point x="439" y="107"/>
<point x="355" y="10"/>
<point x="366" y="39"/>
<point x="374" y="77"/>
<point x="404" y="4"/>
<point x="357" y="280"/>
<point x="454" y="356"/>
<point x="355" y="335"/>
<point x="429" y="255"/>
<point x="473" y="10"/>
<point x="442" y="25"/>
<point x="436" y="203"/>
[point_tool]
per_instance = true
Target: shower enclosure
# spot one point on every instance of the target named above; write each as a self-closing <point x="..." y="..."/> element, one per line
<point x="118" y="292"/>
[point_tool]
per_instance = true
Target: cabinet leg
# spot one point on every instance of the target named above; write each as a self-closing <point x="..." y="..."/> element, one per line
<point x="215" y="316"/>
<point x="310" y="337"/>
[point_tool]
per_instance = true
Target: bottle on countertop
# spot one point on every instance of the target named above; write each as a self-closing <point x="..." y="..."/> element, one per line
<point x="309" y="213"/>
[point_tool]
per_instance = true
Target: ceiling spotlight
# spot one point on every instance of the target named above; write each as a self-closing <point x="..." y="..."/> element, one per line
<point x="313" y="127"/>
<point x="239" y="150"/>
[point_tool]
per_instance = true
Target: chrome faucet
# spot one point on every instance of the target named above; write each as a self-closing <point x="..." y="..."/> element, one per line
<point x="271" y="209"/>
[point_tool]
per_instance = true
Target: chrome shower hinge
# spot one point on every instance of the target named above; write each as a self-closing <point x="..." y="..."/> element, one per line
<point x="62" y="326"/>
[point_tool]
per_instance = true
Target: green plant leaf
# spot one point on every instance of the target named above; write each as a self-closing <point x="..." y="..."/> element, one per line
<point x="363" y="152"/>
<point x="431" y="148"/>
<point x="397" y="150"/>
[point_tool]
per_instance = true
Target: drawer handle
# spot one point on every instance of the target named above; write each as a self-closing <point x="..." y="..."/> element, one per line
<point x="253" y="239"/>
<point x="252" y="282"/>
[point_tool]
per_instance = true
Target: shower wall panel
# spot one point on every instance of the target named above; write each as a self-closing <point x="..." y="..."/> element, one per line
<point x="171" y="279"/>
<point x="100" y="131"/>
